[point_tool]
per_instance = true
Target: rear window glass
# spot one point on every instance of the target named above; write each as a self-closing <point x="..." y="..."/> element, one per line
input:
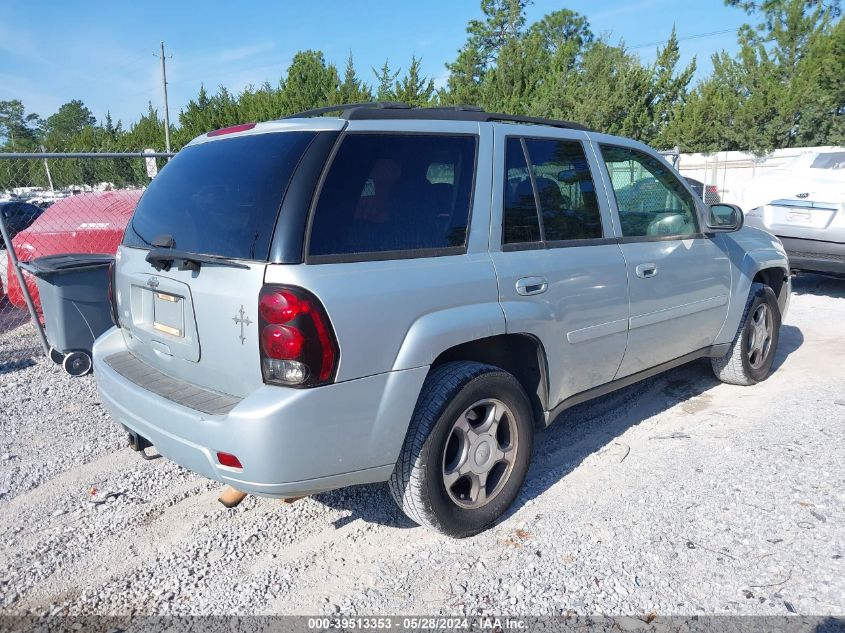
<point x="395" y="192"/>
<point x="221" y="197"/>
<point x="829" y="160"/>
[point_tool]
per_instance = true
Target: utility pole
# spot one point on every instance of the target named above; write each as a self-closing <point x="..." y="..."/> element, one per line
<point x="166" y="109"/>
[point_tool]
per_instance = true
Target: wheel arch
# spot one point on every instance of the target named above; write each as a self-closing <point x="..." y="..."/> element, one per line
<point x="777" y="278"/>
<point x="522" y="355"/>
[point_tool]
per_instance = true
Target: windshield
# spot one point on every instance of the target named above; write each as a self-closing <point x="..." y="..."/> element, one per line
<point x="220" y="197"/>
<point x="829" y="160"/>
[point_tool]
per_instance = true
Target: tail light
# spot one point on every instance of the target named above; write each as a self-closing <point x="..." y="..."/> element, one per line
<point x="113" y="295"/>
<point x="298" y="345"/>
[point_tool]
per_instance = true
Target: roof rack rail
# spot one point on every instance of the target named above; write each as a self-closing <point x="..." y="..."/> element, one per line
<point x="344" y="108"/>
<point x="382" y="110"/>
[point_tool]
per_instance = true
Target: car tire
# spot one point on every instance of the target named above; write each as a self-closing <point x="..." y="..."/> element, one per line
<point x="750" y="357"/>
<point x="467" y="449"/>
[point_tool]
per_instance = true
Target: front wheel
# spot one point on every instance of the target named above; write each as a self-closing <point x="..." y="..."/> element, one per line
<point x="752" y="351"/>
<point x="467" y="450"/>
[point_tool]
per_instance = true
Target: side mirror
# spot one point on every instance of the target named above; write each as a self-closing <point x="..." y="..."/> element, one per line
<point x="725" y="217"/>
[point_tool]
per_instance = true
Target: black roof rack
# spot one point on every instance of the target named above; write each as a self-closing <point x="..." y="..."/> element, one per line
<point x="393" y="110"/>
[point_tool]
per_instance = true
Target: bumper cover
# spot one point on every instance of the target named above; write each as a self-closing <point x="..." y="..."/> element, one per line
<point x="291" y="442"/>
<point x="815" y="255"/>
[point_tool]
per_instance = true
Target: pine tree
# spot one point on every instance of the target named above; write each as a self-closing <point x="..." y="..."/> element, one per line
<point x="352" y="89"/>
<point x="310" y="83"/>
<point x="414" y="88"/>
<point x="385" y="77"/>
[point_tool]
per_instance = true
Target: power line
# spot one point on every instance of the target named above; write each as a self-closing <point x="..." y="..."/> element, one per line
<point x="682" y="39"/>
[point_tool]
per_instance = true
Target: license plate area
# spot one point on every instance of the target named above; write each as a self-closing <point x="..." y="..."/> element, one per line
<point x="168" y="314"/>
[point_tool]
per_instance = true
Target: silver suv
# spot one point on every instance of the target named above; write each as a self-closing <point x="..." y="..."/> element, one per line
<point x="404" y="295"/>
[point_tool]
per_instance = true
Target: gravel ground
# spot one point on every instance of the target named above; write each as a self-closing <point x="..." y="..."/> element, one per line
<point x="679" y="495"/>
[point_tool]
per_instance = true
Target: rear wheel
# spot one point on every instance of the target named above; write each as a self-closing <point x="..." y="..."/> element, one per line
<point x="467" y="450"/>
<point x="752" y="351"/>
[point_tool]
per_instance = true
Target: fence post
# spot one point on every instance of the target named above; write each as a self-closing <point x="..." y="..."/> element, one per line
<point x="49" y="177"/>
<point x="13" y="258"/>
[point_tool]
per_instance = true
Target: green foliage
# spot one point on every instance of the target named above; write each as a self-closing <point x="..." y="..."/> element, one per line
<point x="784" y="87"/>
<point x="18" y="130"/>
<point x="385" y="76"/>
<point x="310" y="83"/>
<point x="352" y="89"/>
<point x="414" y="88"/>
<point x="780" y="89"/>
<point x="72" y="121"/>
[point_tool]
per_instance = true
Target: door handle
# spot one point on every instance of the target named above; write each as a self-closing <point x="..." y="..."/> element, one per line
<point x="646" y="271"/>
<point x="531" y="286"/>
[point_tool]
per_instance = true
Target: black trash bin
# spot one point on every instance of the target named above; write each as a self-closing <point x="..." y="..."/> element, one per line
<point x="74" y="300"/>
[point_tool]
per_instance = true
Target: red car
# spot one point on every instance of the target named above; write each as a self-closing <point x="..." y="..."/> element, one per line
<point x="85" y="223"/>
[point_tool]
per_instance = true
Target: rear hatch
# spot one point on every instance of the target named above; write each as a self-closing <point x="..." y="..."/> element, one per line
<point x="815" y="215"/>
<point x="214" y="210"/>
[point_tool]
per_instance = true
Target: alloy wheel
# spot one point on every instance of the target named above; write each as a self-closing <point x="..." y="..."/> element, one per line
<point x="480" y="453"/>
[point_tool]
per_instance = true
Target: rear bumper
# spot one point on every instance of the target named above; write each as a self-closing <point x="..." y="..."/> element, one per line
<point x="291" y="442"/>
<point x="815" y="255"/>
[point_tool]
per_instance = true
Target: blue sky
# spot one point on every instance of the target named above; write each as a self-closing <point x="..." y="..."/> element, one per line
<point x="103" y="51"/>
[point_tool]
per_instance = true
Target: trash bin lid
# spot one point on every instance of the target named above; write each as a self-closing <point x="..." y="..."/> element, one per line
<point x="66" y="262"/>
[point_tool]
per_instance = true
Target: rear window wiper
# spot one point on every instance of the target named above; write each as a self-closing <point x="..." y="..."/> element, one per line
<point x="165" y="258"/>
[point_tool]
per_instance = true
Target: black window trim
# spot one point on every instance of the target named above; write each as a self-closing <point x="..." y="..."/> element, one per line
<point x="543" y="244"/>
<point x="287" y="243"/>
<point x="378" y="256"/>
<point x="635" y="239"/>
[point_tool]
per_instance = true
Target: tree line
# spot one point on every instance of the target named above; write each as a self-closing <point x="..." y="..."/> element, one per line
<point x="784" y="87"/>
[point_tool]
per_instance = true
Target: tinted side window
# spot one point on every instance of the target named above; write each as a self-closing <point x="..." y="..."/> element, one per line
<point x="395" y="192"/>
<point x="650" y="199"/>
<point x="565" y="189"/>
<point x="520" y="222"/>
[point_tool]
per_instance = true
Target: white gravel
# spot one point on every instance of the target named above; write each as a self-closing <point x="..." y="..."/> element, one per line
<point x="679" y="495"/>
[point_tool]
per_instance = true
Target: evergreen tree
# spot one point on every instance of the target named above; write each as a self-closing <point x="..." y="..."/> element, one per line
<point x="503" y="20"/>
<point x="62" y="128"/>
<point x="414" y="88"/>
<point x="18" y="131"/>
<point x="669" y="89"/>
<point x="310" y="83"/>
<point x="352" y="89"/>
<point x="385" y="77"/>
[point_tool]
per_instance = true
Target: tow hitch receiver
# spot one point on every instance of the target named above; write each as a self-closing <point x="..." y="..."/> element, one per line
<point x="139" y="443"/>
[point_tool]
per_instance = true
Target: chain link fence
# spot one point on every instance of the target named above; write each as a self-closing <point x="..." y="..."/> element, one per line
<point x="54" y="203"/>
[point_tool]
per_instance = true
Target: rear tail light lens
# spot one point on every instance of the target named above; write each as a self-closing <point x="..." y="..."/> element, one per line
<point x="282" y="342"/>
<point x="298" y="345"/>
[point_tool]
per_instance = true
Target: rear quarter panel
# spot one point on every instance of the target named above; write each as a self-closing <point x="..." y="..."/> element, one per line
<point x="401" y="314"/>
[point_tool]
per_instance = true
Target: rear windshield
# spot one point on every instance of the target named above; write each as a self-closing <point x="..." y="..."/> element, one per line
<point x="220" y="197"/>
<point x="829" y="160"/>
